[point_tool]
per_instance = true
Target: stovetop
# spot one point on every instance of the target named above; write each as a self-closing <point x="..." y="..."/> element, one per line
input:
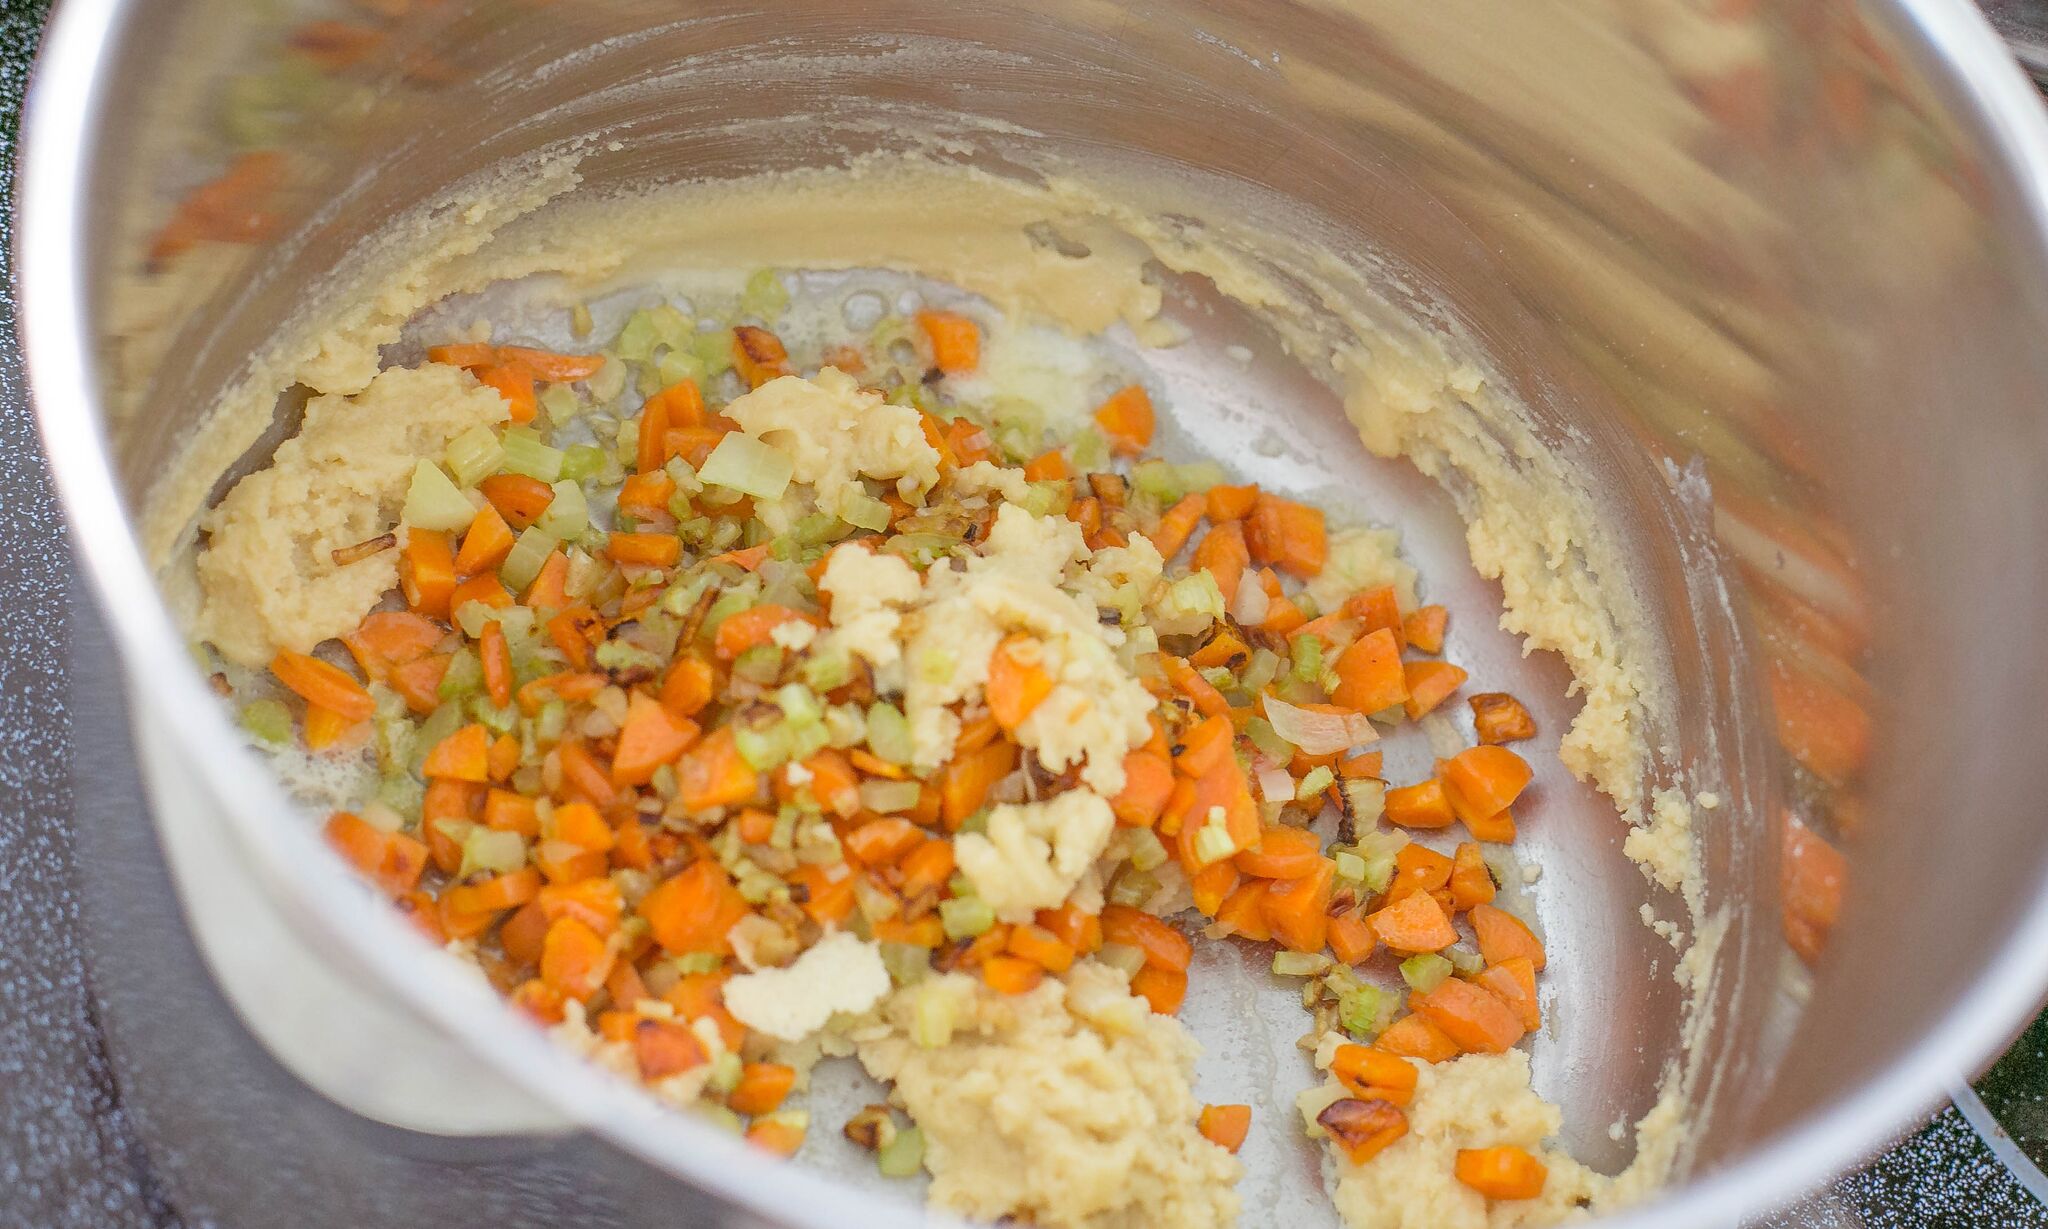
<point x="79" y="1144"/>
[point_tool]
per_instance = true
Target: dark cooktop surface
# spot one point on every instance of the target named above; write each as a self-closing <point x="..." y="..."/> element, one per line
<point x="75" y="1153"/>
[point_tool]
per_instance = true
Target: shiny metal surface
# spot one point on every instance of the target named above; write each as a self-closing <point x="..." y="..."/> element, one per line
<point x="1794" y="251"/>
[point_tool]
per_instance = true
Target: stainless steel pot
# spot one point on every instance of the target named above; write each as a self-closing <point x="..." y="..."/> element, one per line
<point x="1789" y="254"/>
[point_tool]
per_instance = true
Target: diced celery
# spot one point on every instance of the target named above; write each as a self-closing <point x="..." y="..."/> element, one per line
<point x="488" y="849"/>
<point x="903" y="1155"/>
<point x="568" y="513"/>
<point x="907" y="963"/>
<point x="433" y="502"/>
<point x="269" y="721"/>
<point x="525" y="454"/>
<point x="760" y="664"/>
<point x="966" y="917"/>
<point x="799" y="704"/>
<point x="763" y="748"/>
<point x="439" y="724"/>
<point x="1090" y="451"/>
<point x="580" y="461"/>
<point x="1122" y="957"/>
<point x="560" y="403"/>
<point x="1366" y="1011"/>
<point x="1349" y="866"/>
<point x="1189" y="605"/>
<point x="619" y="655"/>
<point x="827" y="671"/>
<point x="402" y="792"/>
<point x="1307" y="650"/>
<point x="1425" y="972"/>
<point x="523" y="563"/>
<point x="864" y="511"/>
<point x="474" y="455"/>
<point x="1368" y="799"/>
<point x="1134" y="887"/>
<point x="1465" y="959"/>
<point x="1148" y="852"/>
<point x="1317" y="780"/>
<point x="551" y="722"/>
<point x="889" y="733"/>
<point x="765" y="297"/>
<point x="1213" y="843"/>
<point x="1299" y="964"/>
<point x="1261" y="669"/>
<point x="745" y="464"/>
<point x="464" y="676"/>
<point x="729" y="603"/>
<point x="934" y="1013"/>
<point x="1268" y="740"/>
<point x="890" y="797"/>
<point x="726" y="1071"/>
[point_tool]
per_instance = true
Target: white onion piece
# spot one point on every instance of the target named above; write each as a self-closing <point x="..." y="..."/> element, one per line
<point x="1319" y="733"/>
<point x="1275" y="783"/>
<point x="1251" y="605"/>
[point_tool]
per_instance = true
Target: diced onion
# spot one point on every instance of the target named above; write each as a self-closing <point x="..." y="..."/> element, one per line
<point x="889" y="797"/>
<point x="745" y="464"/>
<point x="433" y="502"/>
<point x="1275" y="783"/>
<point x="1251" y="604"/>
<point x="1444" y="739"/>
<point x="1319" y="733"/>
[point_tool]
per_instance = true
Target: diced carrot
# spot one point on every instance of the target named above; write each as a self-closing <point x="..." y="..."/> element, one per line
<point x="537" y="999"/>
<point x="486" y="588"/>
<point x="1298" y="912"/>
<point x="1017" y="682"/>
<point x="1048" y="466"/>
<point x="955" y="340"/>
<point x="1286" y="534"/>
<point x="758" y="354"/>
<point x="652" y="736"/>
<point x="1148" y="783"/>
<point x="520" y="499"/>
<point x="1424" y="629"/>
<point x="879" y="842"/>
<point x="1430" y="683"/>
<point x="646" y="495"/>
<point x="567" y="864"/>
<point x="326" y="728"/>
<point x="1011" y="974"/>
<point x="504" y="757"/>
<point x="1223" y="552"/>
<point x="545" y="365"/>
<point x="762" y="1088"/>
<point x="523" y="935"/>
<point x="1811" y="876"/>
<point x="1127" y="419"/>
<point x="461" y="756"/>
<point x="495" y="894"/>
<point x="1418" y="868"/>
<point x="1164" y="989"/>
<point x="1366" y="764"/>
<point x="1485" y="780"/>
<point x="964" y="784"/>
<point x="752" y="628"/>
<point x="689" y="685"/>
<point x="515" y="385"/>
<point x="582" y="774"/>
<point x="1230" y="503"/>
<point x="1282" y="852"/>
<point x="1497" y="829"/>
<point x="1225" y="1125"/>
<point x="1205" y="747"/>
<point x="507" y="811"/>
<point x="418" y="682"/>
<point x="1243" y="912"/>
<point x="655" y="550"/>
<point x="1164" y="947"/>
<point x="1500" y="718"/>
<point x="1362" y="1129"/>
<point x="1283" y="616"/>
<point x="597" y="903"/>
<point x="1212" y="885"/>
<point x="450" y="799"/>
<point x="1351" y="938"/>
<point x="1415" y="1037"/>
<point x="1177" y="525"/>
<point x="650" y="440"/>
<point x="1369" y="674"/>
<point x="662" y="1048"/>
<point x="827" y="900"/>
<point x="1190" y="683"/>
<point x="776" y="1136"/>
<point x="391" y="860"/>
<point x="693" y="910"/>
<point x="833" y="782"/>
<point x="576" y="630"/>
<point x="1501" y="1172"/>
<point x="495" y="654"/>
<point x="579" y="824"/>
<point x="1087" y="513"/>
<point x="699" y="996"/>
<point x="755" y="826"/>
<point x="1375" y="610"/>
<point x="1225" y="648"/>
<point x="574" y="959"/>
<point x="1415" y="923"/>
<point x="1477" y="1021"/>
<point x="928" y="931"/>
<point x="1074" y="927"/>
<point x="389" y="638"/>
<point x="318" y="682"/>
<point x="925" y="868"/>
<point x="1224" y="787"/>
<point x="693" y="444"/>
<point x="683" y="402"/>
<point x="485" y="545"/>
<point x="1471" y="883"/>
<point x="1373" y="1074"/>
<point x="1422" y="805"/>
<point x="1514" y="982"/>
<point x="1503" y="936"/>
<point x="550" y="589"/>
<point x="1818" y="723"/>
<point x="712" y="774"/>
